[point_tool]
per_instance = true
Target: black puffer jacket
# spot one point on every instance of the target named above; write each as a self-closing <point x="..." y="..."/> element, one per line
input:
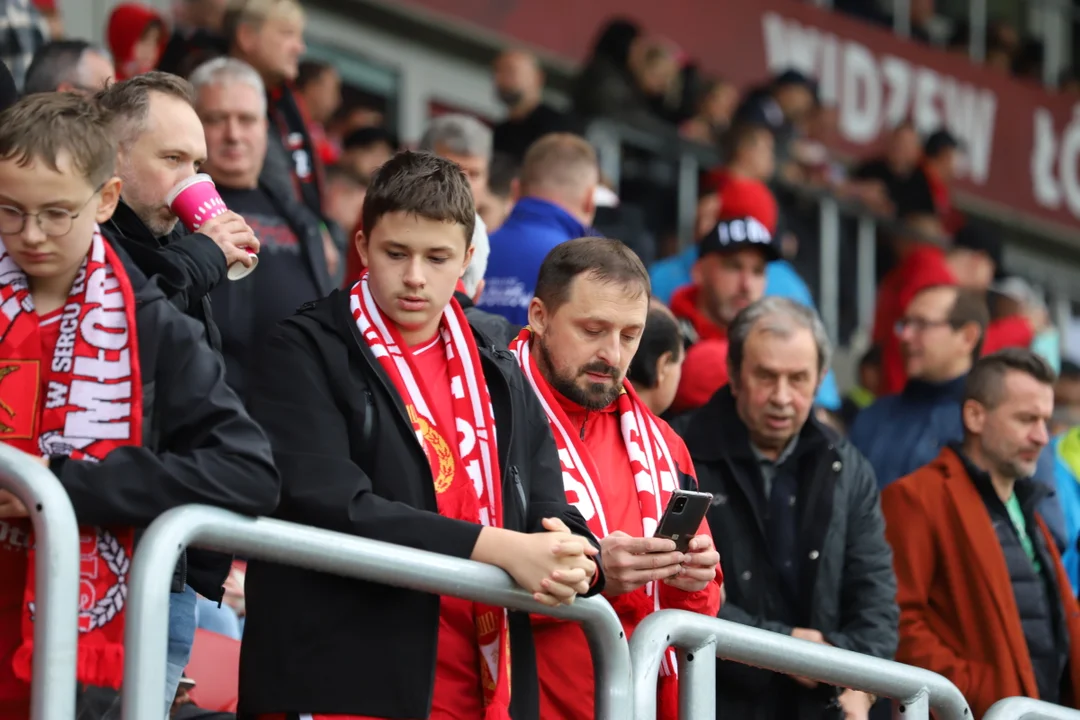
<point x="846" y="572"/>
<point x="349" y="461"/>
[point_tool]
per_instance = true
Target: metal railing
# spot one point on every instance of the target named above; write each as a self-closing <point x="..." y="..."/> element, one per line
<point x="702" y="639"/>
<point x="56" y="590"/>
<point x="147" y="620"/>
<point x="1018" y="708"/>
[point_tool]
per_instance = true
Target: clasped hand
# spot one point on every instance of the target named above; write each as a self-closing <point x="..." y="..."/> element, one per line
<point x="555" y="566"/>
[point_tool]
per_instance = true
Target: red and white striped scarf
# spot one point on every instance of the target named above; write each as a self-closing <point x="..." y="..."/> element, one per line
<point x="650" y="461"/>
<point x="92" y="405"/>
<point x="468" y="484"/>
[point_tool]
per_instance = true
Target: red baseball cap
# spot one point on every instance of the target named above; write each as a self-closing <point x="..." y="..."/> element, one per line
<point x="743" y="197"/>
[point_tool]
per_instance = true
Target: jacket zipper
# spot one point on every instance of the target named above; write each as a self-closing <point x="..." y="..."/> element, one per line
<point x="519" y="487"/>
<point x="584" y="423"/>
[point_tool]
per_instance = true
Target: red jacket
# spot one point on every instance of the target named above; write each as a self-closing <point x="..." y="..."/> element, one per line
<point x="958" y="614"/>
<point x="564" y="662"/>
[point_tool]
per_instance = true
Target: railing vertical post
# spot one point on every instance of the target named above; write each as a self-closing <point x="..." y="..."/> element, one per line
<point x="977" y="30"/>
<point x="829" y="272"/>
<point x="866" y="270"/>
<point x="687" y="199"/>
<point x="902" y="17"/>
<point x="916" y="707"/>
<point x="697" y="682"/>
<point x="609" y="152"/>
<point x="56" y="608"/>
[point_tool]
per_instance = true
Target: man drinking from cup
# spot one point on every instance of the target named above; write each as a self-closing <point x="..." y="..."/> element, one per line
<point x="161" y="144"/>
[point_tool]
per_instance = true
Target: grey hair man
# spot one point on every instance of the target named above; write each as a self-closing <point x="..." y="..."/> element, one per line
<point x="795" y="515"/>
<point x="69" y="66"/>
<point x="466" y="142"/>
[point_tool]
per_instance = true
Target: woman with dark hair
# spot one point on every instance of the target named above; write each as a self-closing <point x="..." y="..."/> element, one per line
<point x="607" y="73"/>
<point x="657" y="366"/>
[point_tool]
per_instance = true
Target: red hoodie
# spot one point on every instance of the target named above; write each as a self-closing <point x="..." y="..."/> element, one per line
<point x="127" y="25"/>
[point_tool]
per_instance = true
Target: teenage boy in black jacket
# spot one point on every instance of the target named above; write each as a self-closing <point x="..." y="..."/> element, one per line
<point x="391" y="418"/>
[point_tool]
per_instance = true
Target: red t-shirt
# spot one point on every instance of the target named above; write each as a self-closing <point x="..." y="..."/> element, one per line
<point x="457" y="694"/>
<point x="14" y="544"/>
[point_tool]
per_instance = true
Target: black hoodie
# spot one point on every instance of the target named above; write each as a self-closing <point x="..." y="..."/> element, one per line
<point x="350" y="462"/>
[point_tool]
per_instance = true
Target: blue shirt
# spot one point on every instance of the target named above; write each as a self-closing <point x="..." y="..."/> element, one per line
<point x="517" y="250"/>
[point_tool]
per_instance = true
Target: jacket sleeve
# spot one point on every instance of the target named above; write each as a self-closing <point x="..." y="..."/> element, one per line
<point x="293" y="399"/>
<point x="202" y="263"/>
<point x="869" y="616"/>
<point x="547" y="497"/>
<point x="910" y="532"/>
<point x="209" y="450"/>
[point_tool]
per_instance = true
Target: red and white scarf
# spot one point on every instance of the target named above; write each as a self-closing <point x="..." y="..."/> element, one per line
<point x="92" y="405"/>
<point x="468" y="484"/>
<point x="650" y="461"/>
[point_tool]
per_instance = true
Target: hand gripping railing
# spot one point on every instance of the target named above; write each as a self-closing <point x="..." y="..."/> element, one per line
<point x="56" y="592"/>
<point x="146" y="630"/>
<point x="702" y="639"/>
<point x="1018" y="708"/>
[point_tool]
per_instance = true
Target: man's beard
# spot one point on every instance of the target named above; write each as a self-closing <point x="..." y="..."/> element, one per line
<point x="595" y="396"/>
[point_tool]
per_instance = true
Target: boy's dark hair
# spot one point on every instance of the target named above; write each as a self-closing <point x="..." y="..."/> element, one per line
<point x="366" y="137"/>
<point x="424" y="185"/>
<point x="600" y="258"/>
<point x="661" y="335"/>
<point x="42" y="127"/>
<point x="741" y="135"/>
<point x="309" y="71"/>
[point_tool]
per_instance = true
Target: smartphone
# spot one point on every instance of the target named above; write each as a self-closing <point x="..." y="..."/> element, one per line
<point x="683" y="516"/>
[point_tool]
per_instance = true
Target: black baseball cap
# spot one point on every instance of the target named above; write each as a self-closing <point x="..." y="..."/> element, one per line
<point x="940" y="141"/>
<point x="795" y="77"/>
<point x="734" y="234"/>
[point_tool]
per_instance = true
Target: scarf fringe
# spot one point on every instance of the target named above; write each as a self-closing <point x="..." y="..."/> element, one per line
<point x="99" y="665"/>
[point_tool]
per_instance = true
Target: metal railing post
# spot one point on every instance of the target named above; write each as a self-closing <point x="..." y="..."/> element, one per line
<point x="916" y="707"/>
<point x="1018" y="708"/>
<point x="829" y="272"/>
<point x="56" y="590"/>
<point x="697" y="669"/>
<point x="782" y="654"/>
<point x="146" y="631"/>
<point x="866" y="271"/>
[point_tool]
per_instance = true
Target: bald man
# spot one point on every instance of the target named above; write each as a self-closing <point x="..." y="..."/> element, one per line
<point x="519" y="84"/>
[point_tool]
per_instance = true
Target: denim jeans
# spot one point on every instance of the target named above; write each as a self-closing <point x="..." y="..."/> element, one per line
<point x="181" y="638"/>
<point x="221" y="620"/>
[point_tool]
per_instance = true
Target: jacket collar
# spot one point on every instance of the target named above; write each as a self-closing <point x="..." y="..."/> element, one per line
<point x="719" y="418"/>
<point x="130" y="226"/>
<point x="923" y="390"/>
<point x="530" y="210"/>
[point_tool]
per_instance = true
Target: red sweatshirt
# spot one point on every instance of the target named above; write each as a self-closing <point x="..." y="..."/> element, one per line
<point x="563" y="659"/>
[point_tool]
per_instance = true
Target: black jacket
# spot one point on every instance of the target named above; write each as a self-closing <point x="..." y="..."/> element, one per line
<point x="199" y="444"/>
<point x="846" y="573"/>
<point x="498" y="329"/>
<point x="185" y="267"/>
<point x="350" y="462"/>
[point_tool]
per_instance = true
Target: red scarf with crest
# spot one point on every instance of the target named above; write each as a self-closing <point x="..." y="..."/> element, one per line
<point x="650" y="461"/>
<point x="468" y="485"/>
<point x="82" y="402"/>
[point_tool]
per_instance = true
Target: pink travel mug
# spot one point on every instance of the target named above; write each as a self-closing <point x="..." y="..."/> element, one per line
<point x="196" y="200"/>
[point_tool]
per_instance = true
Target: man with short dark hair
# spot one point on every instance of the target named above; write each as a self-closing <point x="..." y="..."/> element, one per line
<point x="161" y="143"/>
<point x="657" y="365"/>
<point x="985" y="599"/>
<point x="556" y="203"/>
<point x="519" y="85"/>
<point x="620" y="462"/>
<point x="392" y="419"/>
<point x="69" y="66"/>
<point x="795" y="515"/>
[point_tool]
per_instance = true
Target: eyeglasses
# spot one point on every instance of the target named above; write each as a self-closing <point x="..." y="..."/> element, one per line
<point x="918" y="325"/>
<point x="54" y="222"/>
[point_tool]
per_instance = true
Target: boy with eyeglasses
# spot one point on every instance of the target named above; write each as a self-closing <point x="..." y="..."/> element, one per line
<point x="103" y="381"/>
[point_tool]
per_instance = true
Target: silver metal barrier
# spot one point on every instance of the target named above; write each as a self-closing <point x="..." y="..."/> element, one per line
<point x="56" y="591"/>
<point x="1018" y="708"/>
<point x="147" y="620"/>
<point x="701" y="639"/>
